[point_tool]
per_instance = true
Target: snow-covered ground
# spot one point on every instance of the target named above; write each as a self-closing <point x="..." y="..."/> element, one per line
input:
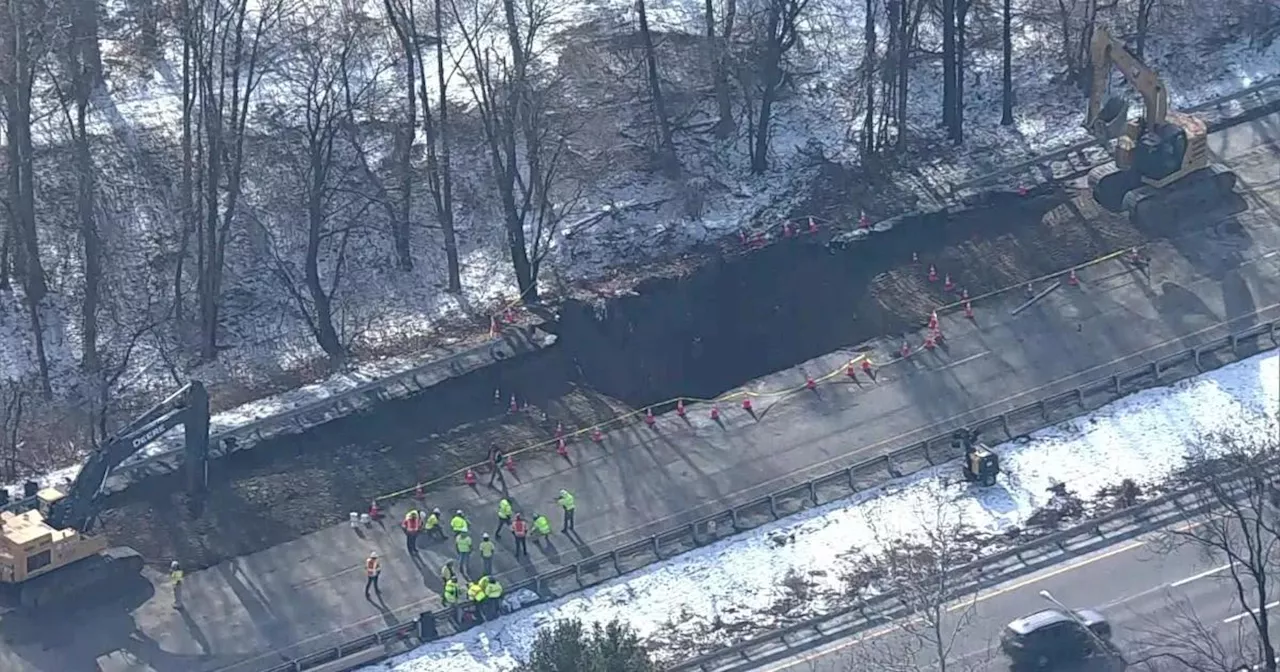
<point x="734" y="586"/>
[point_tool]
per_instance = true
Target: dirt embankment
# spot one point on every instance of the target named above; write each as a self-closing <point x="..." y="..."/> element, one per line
<point x="708" y="328"/>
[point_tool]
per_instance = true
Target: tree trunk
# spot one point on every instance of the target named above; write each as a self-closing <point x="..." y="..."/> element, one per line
<point x="1142" y="27"/>
<point x="949" y="65"/>
<point x="148" y="28"/>
<point x="442" y="177"/>
<point x="88" y="226"/>
<point x="1006" y="97"/>
<point x="322" y="304"/>
<point x="717" y="48"/>
<point x="406" y="34"/>
<point x="904" y="68"/>
<point x="666" y="147"/>
<point x="186" y="188"/>
<point x="84" y="33"/>
<point x="957" y="120"/>
<point x="5" y="270"/>
<point x="869" y="72"/>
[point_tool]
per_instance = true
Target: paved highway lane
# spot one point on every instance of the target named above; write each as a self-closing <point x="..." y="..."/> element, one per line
<point x="250" y="613"/>
<point x="1155" y="595"/>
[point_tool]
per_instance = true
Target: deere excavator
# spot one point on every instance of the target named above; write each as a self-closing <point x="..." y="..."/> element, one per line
<point x="48" y="549"/>
<point x="1162" y="161"/>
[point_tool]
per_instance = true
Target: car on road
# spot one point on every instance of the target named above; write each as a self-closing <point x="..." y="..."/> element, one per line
<point x="1046" y="638"/>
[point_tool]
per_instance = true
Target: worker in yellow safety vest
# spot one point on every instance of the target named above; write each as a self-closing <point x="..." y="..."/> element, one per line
<point x="565" y="500"/>
<point x="464" y="552"/>
<point x="505" y="510"/>
<point x="450" y="598"/>
<point x="458" y="523"/>
<point x="492" y="597"/>
<point x="432" y="524"/>
<point x="475" y="593"/>
<point x="486" y="553"/>
<point x="176" y="576"/>
<point x="541" y="527"/>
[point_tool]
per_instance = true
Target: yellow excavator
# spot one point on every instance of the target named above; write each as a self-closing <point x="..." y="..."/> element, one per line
<point x="1162" y="161"/>
<point x="49" y="551"/>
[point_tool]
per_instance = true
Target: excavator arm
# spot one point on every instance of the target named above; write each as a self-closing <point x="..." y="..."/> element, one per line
<point x="188" y="407"/>
<point x="1106" y="51"/>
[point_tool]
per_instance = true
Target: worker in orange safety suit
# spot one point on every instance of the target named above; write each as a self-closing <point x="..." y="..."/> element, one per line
<point x="412" y="525"/>
<point x="372" y="569"/>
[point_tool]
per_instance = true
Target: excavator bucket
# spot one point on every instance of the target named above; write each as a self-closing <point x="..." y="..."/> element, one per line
<point x="1111" y="119"/>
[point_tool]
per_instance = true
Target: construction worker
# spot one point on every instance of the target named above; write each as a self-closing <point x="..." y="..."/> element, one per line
<point x="486" y="553"/>
<point x="463" y="543"/>
<point x="412" y="525"/>
<point x="495" y="466"/>
<point x="372" y="568"/>
<point x="492" y="596"/>
<point x="176" y="576"/>
<point x="458" y="523"/>
<point x="520" y="529"/>
<point x="447" y="572"/>
<point x="565" y="500"/>
<point x="432" y="524"/>
<point x="504" y="516"/>
<point x="450" y="598"/>
<point x="541" y="526"/>
<point x="475" y="593"/>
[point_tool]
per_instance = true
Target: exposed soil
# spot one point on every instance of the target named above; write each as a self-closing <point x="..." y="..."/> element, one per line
<point x="694" y="327"/>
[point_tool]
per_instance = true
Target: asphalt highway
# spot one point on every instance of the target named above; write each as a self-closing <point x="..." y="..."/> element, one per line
<point x="1161" y="599"/>
<point x="255" y="611"/>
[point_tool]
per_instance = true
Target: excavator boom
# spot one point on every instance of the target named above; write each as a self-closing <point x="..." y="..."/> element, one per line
<point x="1104" y="122"/>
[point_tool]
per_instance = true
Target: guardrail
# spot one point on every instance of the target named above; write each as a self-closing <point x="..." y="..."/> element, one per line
<point x="837" y="485"/>
<point x="362" y="397"/>
<point x="969" y="578"/>
<point x="1079" y="158"/>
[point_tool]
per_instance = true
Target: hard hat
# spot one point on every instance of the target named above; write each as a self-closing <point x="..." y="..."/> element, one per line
<point x="485" y="535"/>
<point x="458" y="512"/>
<point x="373" y="554"/>
<point x="563" y="493"/>
<point x="435" y="511"/>
<point x="173" y="565"/>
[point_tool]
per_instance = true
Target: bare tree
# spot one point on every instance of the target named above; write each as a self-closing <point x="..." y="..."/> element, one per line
<point x="333" y="76"/>
<point x="406" y="31"/>
<point x="23" y="41"/>
<point x="776" y="35"/>
<point x="666" y="146"/>
<point x="229" y="44"/>
<point x="1006" y="64"/>
<point x="1142" y="26"/>
<point x="920" y="573"/>
<point x="74" y="91"/>
<point x="1237" y="521"/>
<point x="526" y="144"/>
<point x="719" y="55"/>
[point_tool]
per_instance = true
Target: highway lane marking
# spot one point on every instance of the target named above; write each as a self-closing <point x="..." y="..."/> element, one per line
<point x="1201" y="575"/>
<point x="1265" y="607"/>
<point x="964" y="604"/>
<point x="959" y="362"/>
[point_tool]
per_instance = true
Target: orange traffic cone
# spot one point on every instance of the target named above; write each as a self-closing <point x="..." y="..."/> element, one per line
<point x="374" y="512"/>
<point x="559" y="430"/>
<point x="597" y="435"/>
<point x="786" y="229"/>
<point x="864" y="222"/>
<point x="417" y="492"/>
<point x="513" y="406"/>
<point x="964" y="295"/>
<point x="850" y="371"/>
<point x="561" y="449"/>
<point x="746" y="404"/>
<point x="715" y="412"/>
<point x="813" y="227"/>
<point x="933" y="320"/>
<point x="968" y="310"/>
<point x="810" y="383"/>
<point x="648" y="417"/>
<point x="866" y="366"/>
<point x="680" y="407"/>
<point x="929" y="343"/>
<point x="469" y="477"/>
<point x="948" y="285"/>
<point x="1072" y="279"/>
<point x="933" y="273"/>
<point x="906" y="349"/>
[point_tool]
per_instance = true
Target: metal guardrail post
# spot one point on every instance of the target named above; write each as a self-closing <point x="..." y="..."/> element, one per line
<point x="1115" y="381"/>
<point x="1235" y="342"/>
<point x="853" y="487"/>
<point x="1080" y="397"/>
<point x="773" y="506"/>
<point x="813" y="493"/>
<point x="1272" y="331"/>
<point x="1195" y="355"/>
<point x="1155" y="369"/>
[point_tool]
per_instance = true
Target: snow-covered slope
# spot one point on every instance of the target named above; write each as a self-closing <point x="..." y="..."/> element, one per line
<point x="727" y="590"/>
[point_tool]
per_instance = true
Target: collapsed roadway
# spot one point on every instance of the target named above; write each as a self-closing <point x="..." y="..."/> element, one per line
<point x="1209" y="275"/>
